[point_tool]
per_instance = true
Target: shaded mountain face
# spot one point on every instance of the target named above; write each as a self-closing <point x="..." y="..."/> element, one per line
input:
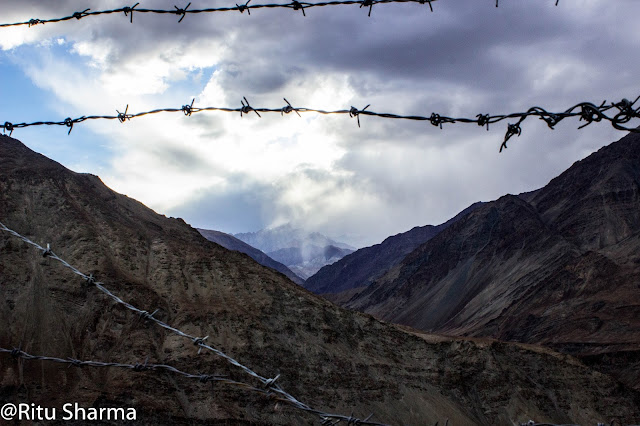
<point x="333" y="359"/>
<point x="559" y="266"/>
<point x="364" y="266"/>
<point x="304" y="253"/>
<point x="232" y="243"/>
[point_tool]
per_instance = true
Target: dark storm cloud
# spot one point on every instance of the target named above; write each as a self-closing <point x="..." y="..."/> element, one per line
<point x="466" y="58"/>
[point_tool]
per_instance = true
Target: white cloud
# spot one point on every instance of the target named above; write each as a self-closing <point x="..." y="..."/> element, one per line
<point x="323" y="171"/>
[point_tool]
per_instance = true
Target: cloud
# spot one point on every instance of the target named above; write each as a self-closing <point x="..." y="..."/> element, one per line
<point x="223" y="171"/>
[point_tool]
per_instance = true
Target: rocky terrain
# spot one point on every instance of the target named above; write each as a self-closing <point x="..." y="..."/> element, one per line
<point x="364" y="266"/>
<point x="232" y="243"/>
<point x="331" y="358"/>
<point x="559" y="266"/>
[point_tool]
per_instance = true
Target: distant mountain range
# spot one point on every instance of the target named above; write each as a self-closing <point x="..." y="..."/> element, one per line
<point x="302" y="252"/>
<point x="232" y="243"/>
<point x="559" y="266"/>
<point x="335" y="360"/>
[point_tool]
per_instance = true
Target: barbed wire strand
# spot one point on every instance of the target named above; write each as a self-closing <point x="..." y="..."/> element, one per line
<point x="145" y="366"/>
<point x="269" y="383"/>
<point x="588" y="112"/>
<point x="270" y="389"/>
<point x="182" y="12"/>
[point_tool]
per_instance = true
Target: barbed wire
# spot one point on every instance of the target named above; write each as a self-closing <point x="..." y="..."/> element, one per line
<point x="182" y="12"/>
<point x="269" y="384"/>
<point x="625" y="111"/>
<point x="145" y="366"/>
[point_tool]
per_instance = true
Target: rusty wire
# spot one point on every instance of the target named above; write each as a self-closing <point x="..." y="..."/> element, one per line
<point x="269" y="384"/>
<point x="182" y="12"/>
<point x="624" y="112"/>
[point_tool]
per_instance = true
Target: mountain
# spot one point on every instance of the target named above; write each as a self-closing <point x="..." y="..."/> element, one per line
<point x="302" y="252"/>
<point x="307" y="260"/>
<point x="364" y="266"/>
<point x="333" y="359"/>
<point x="559" y="266"/>
<point x="232" y="243"/>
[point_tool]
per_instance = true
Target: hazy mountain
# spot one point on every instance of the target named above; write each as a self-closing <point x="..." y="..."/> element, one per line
<point x="328" y="357"/>
<point x="559" y="266"/>
<point x="232" y="243"/>
<point x="302" y="252"/>
<point x="365" y="265"/>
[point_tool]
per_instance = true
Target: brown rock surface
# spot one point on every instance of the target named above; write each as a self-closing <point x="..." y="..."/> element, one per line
<point x="559" y="266"/>
<point x="333" y="359"/>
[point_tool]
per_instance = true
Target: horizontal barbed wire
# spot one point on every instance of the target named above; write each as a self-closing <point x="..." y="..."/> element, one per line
<point x="268" y="383"/>
<point x="145" y="366"/>
<point x="625" y="111"/>
<point x="182" y="12"/>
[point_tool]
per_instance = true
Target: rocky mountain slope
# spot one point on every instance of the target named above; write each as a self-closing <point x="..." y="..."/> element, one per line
<point x="333" y="359"/>
<point x="559" y="266"/>
<point x="364" y="266"/>
<point x="232" y="243"/>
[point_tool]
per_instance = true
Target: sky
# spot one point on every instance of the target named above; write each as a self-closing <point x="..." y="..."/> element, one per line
<point x="236" y="174"/>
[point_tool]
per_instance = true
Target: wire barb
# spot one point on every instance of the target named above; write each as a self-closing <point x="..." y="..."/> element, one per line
<point x="427" y="1"/>
<point x="243" y="7"/>
<point x="80" y="15"/>
<point x="47" y="252"/>
<point x="512" y="129"/>
<point x="129" y="10"/>
<point x="122" y="116"/>
<point x="366" y="3"/>
<point x="7" y="127"/>
<point x="182" y="12"/>
<point x="246" y="108"/>
<point x="298" y="6"/>
<point x="354" y="112"/>
<point x="288" y="108"/>
<point x="69" y="123"/>
<point x="188" y="109"/>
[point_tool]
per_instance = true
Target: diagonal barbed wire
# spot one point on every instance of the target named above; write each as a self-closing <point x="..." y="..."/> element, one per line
<point x="184" y="11"/>
<point x="269" y="384"/>
<point x="623" y="112"/>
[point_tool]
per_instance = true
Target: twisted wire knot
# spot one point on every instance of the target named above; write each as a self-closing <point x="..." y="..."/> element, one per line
<point x="80" y="15"/>
<point x="8" y="126"/>
<point x="243" y="7"/>
<point x="436" y="120"/>
<point x="188" y="109"/>
<point x="512" y="129"/>
<point x="47" y="252"/>
<point x="483" y="120"/>
<point x="129" y="10"/>
<point x="298" y="6"/>
<point x="182" y="12"/>
<point x="69" y="123"/>
<point x="246" y="108"/>
<point x="589" y="113"/>
<point x="354" y="112"/>
<point x="122" y="116"/>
